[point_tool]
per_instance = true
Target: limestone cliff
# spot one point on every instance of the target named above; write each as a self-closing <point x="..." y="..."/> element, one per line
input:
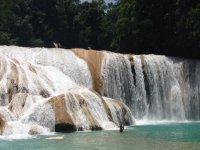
<point x="94" y="60"/>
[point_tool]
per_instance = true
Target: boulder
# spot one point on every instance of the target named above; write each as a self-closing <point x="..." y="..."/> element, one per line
<point x="84" y="109"/>
<point x="63" y="121"/>
<point x="33" y="130"/>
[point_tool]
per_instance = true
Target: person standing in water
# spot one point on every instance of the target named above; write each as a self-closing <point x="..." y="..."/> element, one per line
<point x="121" y="127"/>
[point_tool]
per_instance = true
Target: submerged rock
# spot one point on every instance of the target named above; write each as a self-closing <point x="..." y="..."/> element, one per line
<point x="33" y="130"/>
<point x="36" y="129"/>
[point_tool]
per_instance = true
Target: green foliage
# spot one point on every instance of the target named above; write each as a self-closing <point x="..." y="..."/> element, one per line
<point x="136" y="26"/>
<point x="188" y="25"/>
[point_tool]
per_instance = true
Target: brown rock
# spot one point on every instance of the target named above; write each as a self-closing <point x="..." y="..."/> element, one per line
<point x="94" y="61"/>
<point x="83" y="104"/>
<point x="127" y="116"/>
<point x="18" y="103"/>
<point x="63" y="121"/>
<point x="33" y="130"/>
<point x="105" y="105"/>
<point x="2" y="124"/>
<point x="124" y="112"/>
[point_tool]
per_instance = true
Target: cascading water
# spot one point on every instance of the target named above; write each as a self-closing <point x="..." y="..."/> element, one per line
<point x="117" y="112"/>
<point x="28" y="76"/>
<point x="160" y="88"/>
<point x="117" y="78"/>
<point x="164" y="95"/>
<point x="44" y="90"/>
<point x="63" y="60"/>
<point x="140" y="106"/>
<point x="76" y="102"/>
<point x="33" y="82"/>
<point x="187" y="73"/>
<point x="40" y="114"/>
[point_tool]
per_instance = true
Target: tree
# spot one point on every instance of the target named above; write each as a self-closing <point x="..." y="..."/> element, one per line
<point x="125" y="25"/>
<point x="88" y="22"/>
<point x="188" y="27"/>
<point x="7" y="18"/>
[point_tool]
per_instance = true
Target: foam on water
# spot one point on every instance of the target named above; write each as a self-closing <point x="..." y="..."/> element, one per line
<point x="19" y="130"/>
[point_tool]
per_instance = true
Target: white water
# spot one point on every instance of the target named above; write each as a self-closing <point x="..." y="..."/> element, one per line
<point x="40" y="113"/>
<point x="140" y="106"/>
<point x="29" y="78"/>
<point x="63" y="60"/>
<point x="78" y="97"/>
<point x="18" y="130"/>
<point x="162" y="88"/>
<point x="117" y="78"/>
<point x="117" y="112"/>
<point x="7" y="114"/>
<point x="155" y="88"/>
<point x="28" y="75"/>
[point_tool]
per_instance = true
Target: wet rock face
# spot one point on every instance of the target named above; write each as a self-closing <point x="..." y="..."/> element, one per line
<point x="83" y="109"/>
<point x="70" y="109"/>
<point x="63" y="121"/>
<point x="20" y="103"/>
<point x="2" y="124"/>
<point x="94" y="61"/>
<point x="47" y="90"/>
<point x="119" y="112"/>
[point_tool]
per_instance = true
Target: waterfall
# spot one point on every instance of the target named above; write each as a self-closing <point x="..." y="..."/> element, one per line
<point x="87" y="109"/>
<point x="140" y="106"/>
<point x="187" y="73"/>
<point x="117" y="78"/>
<point x="164" y="89"/>
<point x="41" y="114"/>
<point x="154" y="87"/>
<point x="117" y="112"/>
<point x="45" y="90"/>
<point x="28" y="77"/>
<point x="63" y="60"/>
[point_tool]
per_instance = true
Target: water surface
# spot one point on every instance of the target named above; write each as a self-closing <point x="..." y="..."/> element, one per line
<point x="174" y="136"/>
